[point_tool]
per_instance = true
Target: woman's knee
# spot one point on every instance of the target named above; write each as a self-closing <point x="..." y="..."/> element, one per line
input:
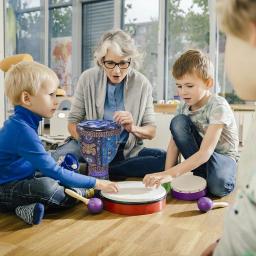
<point x="154" y="152"/>
<point x="71" y="147"/>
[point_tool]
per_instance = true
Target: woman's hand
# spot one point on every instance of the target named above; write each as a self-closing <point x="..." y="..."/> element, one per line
<point x="72" y="130"/>
<point x="155" y="179"/>
<point x="106" y="186"/>
<point x="125" y="119"/>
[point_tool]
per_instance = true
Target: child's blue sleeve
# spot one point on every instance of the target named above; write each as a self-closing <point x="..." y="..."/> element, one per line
<point x="31" y="149"/>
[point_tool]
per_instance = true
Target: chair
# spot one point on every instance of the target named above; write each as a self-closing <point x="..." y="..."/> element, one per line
<point x="7" y="62"/>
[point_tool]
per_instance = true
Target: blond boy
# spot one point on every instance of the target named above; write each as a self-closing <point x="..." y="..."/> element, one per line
<point x="31" y="88"/>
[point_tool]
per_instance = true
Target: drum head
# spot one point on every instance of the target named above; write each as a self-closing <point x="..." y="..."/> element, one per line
<point x="99" y="125"/>
<point x="188" y="184"/>
<point x="135" y="192"/>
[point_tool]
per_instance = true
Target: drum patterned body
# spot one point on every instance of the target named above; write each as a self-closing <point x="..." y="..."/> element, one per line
<point x="99" y="144"/>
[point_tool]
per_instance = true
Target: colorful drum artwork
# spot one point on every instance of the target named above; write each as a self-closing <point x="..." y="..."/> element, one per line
<point x="99" y="141"/>
<point x="133" y="198"/>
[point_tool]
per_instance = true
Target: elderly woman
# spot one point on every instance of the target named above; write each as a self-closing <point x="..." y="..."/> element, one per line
<point x="114" y="90"/>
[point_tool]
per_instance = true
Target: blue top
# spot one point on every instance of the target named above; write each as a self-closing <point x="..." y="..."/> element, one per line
<point x="114" y="101"/>
<point x="22" y="153"/>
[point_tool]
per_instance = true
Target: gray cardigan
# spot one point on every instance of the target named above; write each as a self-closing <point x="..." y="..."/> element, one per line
<point x="89" y="99"/>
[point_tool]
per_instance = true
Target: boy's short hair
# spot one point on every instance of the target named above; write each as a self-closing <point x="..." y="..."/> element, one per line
<point x="27" y="76"/>
<point x="193" y="62"/>
<point x="235" y="16"/>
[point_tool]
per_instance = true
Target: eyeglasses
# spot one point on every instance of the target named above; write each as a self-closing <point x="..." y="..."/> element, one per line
<point x="111" y="64"/>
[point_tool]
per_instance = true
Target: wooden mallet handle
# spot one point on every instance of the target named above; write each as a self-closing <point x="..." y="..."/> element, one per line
<point x="94" y="205"/>
<point x="77" y="196"/>
<point x="219" y="204"/>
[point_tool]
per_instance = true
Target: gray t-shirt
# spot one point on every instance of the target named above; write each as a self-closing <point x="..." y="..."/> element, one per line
<point x="215" y="111"/>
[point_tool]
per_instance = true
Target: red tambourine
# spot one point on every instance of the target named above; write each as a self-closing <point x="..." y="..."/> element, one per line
<point x="133" y="198"/>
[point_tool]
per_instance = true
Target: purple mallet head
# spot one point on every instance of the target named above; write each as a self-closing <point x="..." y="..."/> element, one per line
<point x="95" y="205"/>
<point x="204" y="204"/>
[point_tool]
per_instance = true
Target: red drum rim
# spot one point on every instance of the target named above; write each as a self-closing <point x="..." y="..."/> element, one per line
<point x="133" y="209"/>
<point x="134" y="198"/>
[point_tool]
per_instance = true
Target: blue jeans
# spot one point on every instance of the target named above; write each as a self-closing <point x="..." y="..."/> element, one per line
<point x="149" y="160"/>
<point x="219" y="171"/>
<point x="37" y="189"/>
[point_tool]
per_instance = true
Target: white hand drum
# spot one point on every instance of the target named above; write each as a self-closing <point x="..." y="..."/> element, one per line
<point x="133" y="198"/>
<point x="188" y="187"/>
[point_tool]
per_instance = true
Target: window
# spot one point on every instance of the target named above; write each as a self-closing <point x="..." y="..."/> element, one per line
<point x="141" y="21"/>
<point x="24" y="32"/>
<point x="188" y="27"/>
<point x="60" y="42"/>
<point x="183" y="24"/>
<point x="98" y="17"/>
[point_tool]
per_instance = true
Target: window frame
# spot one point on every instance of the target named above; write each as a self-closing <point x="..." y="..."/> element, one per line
<point x="162" y="64"/>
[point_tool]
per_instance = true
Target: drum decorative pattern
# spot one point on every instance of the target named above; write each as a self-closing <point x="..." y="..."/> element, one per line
<point x="98" y="145"/>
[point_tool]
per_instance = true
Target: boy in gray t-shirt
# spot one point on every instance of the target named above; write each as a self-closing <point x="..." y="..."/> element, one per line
<point x="203" y="130"/>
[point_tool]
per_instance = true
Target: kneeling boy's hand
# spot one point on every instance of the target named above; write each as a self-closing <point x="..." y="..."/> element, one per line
<point x="106" y="186"/>
<point x="155" y="179"/>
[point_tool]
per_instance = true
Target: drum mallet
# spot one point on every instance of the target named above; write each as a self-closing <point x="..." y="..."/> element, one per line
<point x="94" y="205"/>
<point x="205" y="204"/>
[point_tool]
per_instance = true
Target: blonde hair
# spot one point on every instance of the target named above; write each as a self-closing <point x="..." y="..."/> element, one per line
<point x="27" y="76"/>
<point x="120" y="43"/>
<point x="235" y="16"/>
<point x="193" y="62"/>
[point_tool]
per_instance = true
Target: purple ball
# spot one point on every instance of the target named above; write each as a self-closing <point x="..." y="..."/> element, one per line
<point x="204" y="204"/>
<point x="95" y="205"/>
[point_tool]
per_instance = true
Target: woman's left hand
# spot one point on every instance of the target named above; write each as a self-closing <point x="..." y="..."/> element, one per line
<point x="125" y="119"/>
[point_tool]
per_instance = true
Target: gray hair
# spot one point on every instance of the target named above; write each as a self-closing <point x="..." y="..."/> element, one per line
<point x="120" y="43"/>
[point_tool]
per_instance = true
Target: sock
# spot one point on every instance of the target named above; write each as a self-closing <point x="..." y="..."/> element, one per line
<point x="88" y="193"/>
<point x="31" y="214"/>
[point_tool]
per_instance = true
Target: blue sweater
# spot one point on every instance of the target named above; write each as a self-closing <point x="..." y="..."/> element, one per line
<point x="22" y="153"/>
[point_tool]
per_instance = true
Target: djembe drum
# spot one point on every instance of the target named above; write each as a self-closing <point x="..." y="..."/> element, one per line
<point x="99" y="144"/>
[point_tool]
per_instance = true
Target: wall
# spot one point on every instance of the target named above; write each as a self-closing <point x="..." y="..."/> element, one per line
<point x="161" y="140"/>
<point x="162" y="137"/>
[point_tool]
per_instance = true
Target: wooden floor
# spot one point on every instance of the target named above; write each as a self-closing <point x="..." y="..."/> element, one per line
<point x="179" y="230"/>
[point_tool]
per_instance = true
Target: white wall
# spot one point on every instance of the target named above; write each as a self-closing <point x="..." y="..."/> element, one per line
<point x="2" y="108"/>
<point x="243" y="121"/>
<point x="163" y="133"/>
